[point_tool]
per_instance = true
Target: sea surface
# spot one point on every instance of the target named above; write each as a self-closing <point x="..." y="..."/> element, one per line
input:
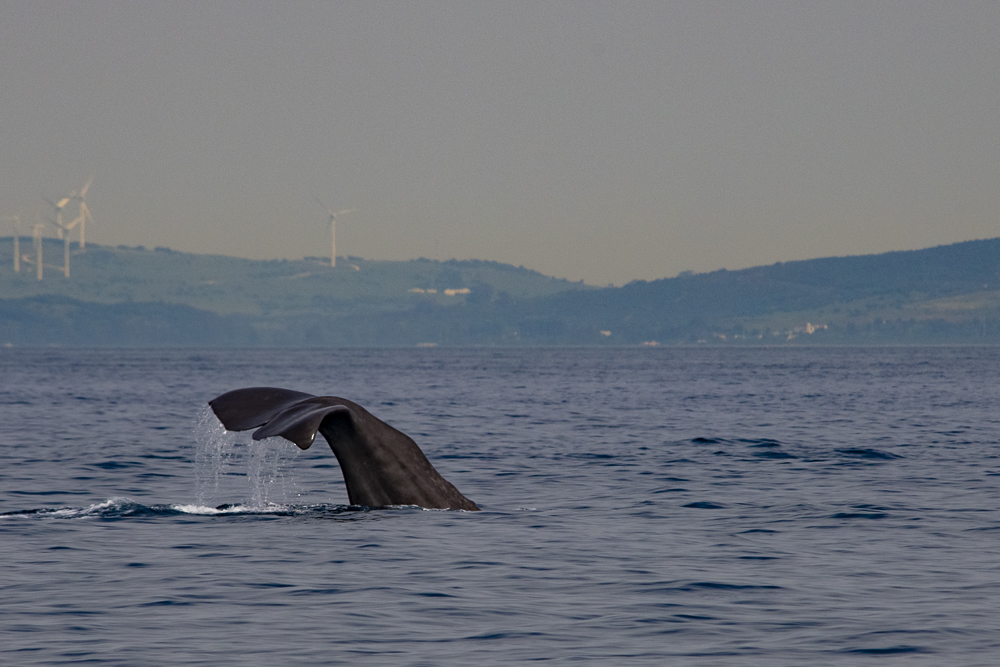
<point x="663" y="506"/>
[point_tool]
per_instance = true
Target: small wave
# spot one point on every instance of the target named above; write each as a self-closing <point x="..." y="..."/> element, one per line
<point x="774" y="455"/>
<point x="868" y="453"/>
<point x="112" y="508"/>
<point x="720" y="586"/>
<point x="760" y="442"/>
<point x="859" y="515"/>
<point x="702" y="586"/>
<point x="116" y="465"/>
<point x="889" y="650"/>
<point x="704" y="505"/>
<point x="126" y="508"/>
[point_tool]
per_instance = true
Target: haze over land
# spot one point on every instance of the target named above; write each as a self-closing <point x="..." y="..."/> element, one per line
<point x="602" y="141"/>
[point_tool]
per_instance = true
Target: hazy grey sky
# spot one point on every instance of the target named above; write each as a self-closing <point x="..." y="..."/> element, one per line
<point x="606" y="141"/>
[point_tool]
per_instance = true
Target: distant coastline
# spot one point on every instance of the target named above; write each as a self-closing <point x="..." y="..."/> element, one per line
<point x="133" y="297"/>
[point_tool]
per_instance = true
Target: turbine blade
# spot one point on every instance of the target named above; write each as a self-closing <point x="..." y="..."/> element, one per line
<point x="325" y="207"/>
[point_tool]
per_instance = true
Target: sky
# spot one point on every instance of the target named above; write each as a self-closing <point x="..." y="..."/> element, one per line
<point x="595" y="141"/>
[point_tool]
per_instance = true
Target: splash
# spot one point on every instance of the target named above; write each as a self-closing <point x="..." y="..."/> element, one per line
<point x="231" y="466"/>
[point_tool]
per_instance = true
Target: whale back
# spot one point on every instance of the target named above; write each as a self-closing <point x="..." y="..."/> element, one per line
<point x="381" y="465"/>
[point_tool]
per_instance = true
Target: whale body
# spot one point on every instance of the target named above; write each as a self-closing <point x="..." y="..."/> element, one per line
<point x="381" y="465"/>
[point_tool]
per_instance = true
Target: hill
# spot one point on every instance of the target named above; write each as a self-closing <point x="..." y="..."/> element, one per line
<point x="133" y="296"/>
<point x="947" y="293"/>
<point x="227" y="285"/>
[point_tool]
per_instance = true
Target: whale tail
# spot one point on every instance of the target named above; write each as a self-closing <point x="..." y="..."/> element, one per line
<point x="381" y="466"/>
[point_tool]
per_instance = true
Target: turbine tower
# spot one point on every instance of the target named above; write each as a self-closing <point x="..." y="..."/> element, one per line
<point x="63" y="231"/>
<point x="37" y="237"/>
<point x="16" y="219"/>
<point x="84" y="214"/>
<point x="333" y="228"/>
<point x="66" y="251"/>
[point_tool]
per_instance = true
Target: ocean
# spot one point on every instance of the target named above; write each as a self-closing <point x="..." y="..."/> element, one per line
<point x="658" y="506"/>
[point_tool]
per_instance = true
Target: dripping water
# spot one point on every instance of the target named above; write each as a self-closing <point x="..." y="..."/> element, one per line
<point x="233" y="468"/>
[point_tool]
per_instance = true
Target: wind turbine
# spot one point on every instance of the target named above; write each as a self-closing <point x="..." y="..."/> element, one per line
<point x="84" y="215"/>
<point x="333" y="228"/>
<point x="59" y="206"/>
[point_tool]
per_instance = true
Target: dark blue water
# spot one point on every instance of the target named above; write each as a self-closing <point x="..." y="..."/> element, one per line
<point x="651" y="506"/>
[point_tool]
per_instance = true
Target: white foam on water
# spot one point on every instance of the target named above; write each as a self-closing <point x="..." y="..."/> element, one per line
<point x="97" y="508"/>
<point x="198" y="509"/>
<point x="269" y="508"/>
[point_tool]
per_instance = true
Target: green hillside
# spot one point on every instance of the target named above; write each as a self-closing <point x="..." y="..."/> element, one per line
<point x="943" y="294"/>
<point x="229" y="285"/>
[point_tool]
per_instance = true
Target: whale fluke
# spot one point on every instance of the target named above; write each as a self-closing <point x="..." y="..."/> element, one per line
<point x="381" y="466"/>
